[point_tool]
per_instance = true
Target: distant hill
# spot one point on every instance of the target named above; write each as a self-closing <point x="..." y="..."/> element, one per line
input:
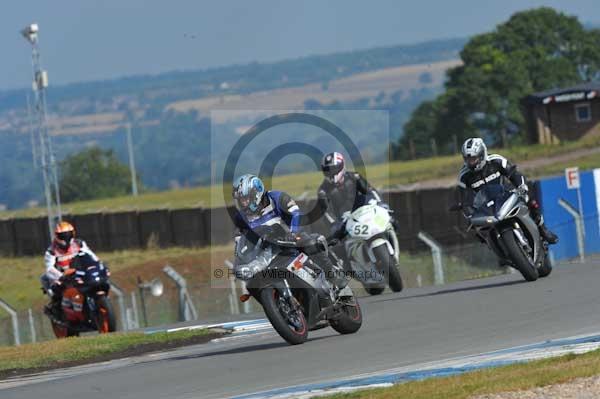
<point x="150" y="91"/>
<point x="171" y="108"/>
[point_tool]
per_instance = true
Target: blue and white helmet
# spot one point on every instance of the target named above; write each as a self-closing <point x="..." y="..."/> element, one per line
<point x="248" y="192"/>
<point x="474" y="153"/>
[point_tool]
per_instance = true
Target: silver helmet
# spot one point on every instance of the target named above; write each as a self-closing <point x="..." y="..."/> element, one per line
<point x="248" y="193"/>
<point x="474" y="153"/>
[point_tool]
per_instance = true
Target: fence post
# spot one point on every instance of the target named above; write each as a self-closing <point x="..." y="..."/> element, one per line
<point x="187" y="310"/>
<point x="119" y="293"/>
<point x="32" y="326"/>
<point x="436" y="253"/>
<point x="15" y="321"/>
<point x="578" y="227"/>
<point x="136" y="315"/>
<point x="234" y="300"/>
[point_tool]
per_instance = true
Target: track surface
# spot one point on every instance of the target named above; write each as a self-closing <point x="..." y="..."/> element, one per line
<point x="416" y="326"/>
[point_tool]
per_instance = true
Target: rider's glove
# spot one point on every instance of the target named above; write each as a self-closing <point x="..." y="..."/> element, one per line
<point x="523" y="191"/>
<point x="292" y="237"/>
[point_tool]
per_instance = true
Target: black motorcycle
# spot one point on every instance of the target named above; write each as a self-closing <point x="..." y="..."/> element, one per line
<point x="292" y="289"/>
<point x="500" y="218"/>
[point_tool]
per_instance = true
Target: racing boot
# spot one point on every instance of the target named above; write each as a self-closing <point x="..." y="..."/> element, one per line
<point x="54" y="309"/>
<point x="547" y="234"/>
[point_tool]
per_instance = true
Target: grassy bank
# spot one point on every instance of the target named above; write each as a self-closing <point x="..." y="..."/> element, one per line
<point x="381" y="175"/>
<point x="20" y="286"/>
<point x="502" y="379"/>
<point x="80" y="350"/>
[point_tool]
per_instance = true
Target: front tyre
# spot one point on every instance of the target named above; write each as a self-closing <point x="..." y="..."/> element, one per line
<point x="105" y="319"/>
<point x="375" y="290"/>
<point x="518" y="256"/>
<point x="387" y="266"/>
<point x="63" y="331"/>
<point x="291" y="327"/>
<point x="350" y="319"/>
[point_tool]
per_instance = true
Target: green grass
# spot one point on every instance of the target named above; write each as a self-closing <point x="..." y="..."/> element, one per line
<point x="74" y="349"/>
<point x="380" y="175"/>
<point x="502" y="379"/>
<point x="584" y="163"/>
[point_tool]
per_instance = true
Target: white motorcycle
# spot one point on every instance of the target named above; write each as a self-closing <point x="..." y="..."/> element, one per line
<point x="372" y="248"/>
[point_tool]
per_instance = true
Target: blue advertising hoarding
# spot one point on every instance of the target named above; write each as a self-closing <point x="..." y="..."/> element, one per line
<point x="562" y="223"/>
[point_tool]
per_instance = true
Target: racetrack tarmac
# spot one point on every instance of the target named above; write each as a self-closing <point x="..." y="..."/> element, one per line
<point x="410" y="328"/>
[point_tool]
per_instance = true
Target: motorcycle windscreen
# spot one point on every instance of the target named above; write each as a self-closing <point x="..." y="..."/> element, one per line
<point x="489" y="199"/>
<point x="251" y="258"/>
<point x="89" y="269"/>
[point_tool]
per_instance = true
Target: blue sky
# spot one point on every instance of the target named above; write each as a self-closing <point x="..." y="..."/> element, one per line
<point x="87" y="40"/>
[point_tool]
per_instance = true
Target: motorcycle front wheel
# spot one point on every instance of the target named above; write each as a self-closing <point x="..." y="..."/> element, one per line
<point x="289" y="323"/>
<point x="387" y="267"/>
<point x="519" y="257"/>
<point x="61" y="331"/>
<point x="105" y="320"/>
<point x="350" y="319"/>
<point x="375" y="290"/>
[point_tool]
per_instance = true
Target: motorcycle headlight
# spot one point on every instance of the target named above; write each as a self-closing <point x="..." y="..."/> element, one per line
<point x="249" y="270"/>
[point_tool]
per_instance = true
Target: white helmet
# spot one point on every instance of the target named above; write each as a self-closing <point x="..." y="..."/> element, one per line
<point x="474" y="153"/>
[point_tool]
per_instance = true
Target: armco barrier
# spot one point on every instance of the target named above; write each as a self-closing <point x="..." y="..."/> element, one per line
<point x="7" y="237"/>
<point x="435" y="217"/>
<point x="407" y="212"/>
<point x="122" y="230"/>
<point x="91" y="228"/>
<point x="220" y="226"/>
<point x="188" y="227"/>
<point x="155" y="227"/>
<point x="31" y="236"/>
<point x="424" y="210"/>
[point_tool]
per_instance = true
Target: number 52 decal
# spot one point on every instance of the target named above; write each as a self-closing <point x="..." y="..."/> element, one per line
<point x="361" y="229"/>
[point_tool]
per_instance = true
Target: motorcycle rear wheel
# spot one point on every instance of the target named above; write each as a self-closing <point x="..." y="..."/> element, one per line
<point x="546" y="268"/>
<point x="269" y="298"/>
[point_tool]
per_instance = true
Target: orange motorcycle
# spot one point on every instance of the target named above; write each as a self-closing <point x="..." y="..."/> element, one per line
<point x="85" y="302"/>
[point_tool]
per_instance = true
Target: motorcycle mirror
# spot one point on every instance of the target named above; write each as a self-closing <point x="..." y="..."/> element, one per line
<point x="156" y="287"/>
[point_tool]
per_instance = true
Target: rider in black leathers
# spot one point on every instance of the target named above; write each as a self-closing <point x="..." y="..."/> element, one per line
<point x="480" y="169"/>
<point x="342" y="190"/>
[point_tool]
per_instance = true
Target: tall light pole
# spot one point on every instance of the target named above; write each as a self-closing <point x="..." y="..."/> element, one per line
<point x="134" y="187"/>
<point x="42" y="144"/>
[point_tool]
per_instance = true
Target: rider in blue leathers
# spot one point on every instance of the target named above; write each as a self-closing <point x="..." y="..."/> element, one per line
<point x="258" y="207"/>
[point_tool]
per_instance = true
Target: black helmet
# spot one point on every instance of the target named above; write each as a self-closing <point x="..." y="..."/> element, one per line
<point x="474" y="153"/>
<point x="333" y="167"/>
